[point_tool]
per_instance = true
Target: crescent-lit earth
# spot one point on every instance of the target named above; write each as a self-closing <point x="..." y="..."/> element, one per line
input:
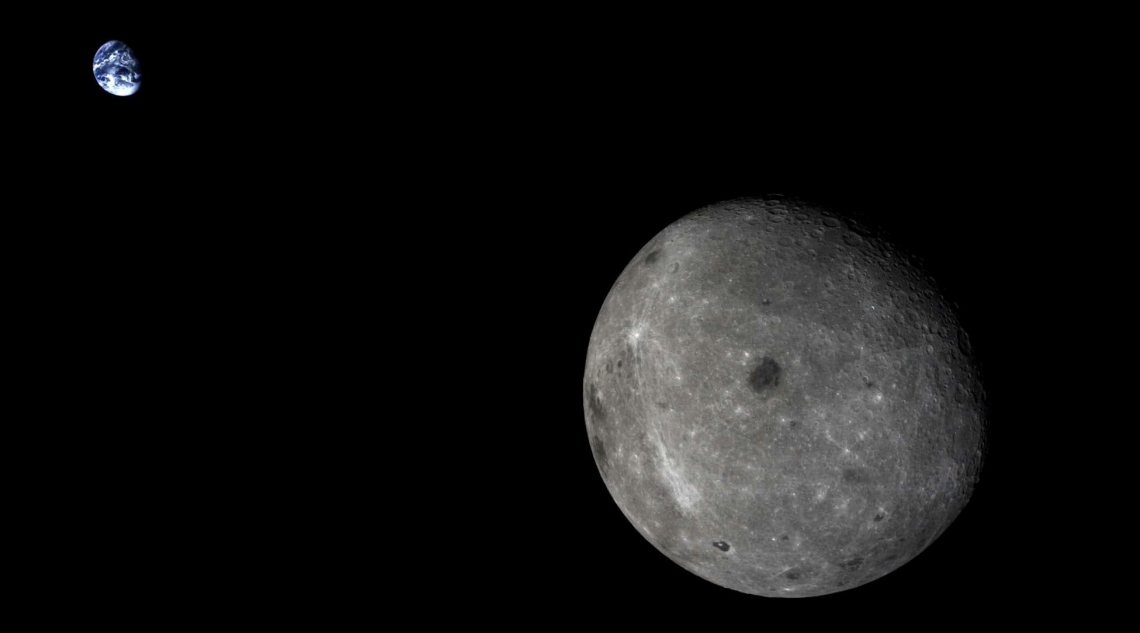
<point x="780" y="401"/>
<point x="117" y="69"/>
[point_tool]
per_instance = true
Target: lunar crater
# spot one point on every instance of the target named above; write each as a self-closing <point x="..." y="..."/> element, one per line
<point x="765" y="376"/>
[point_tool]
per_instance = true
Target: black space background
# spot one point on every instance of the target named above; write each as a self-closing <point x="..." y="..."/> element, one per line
<point x="339" y="332"/>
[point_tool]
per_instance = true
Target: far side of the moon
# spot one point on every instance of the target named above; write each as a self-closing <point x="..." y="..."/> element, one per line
<point x="780" y="401"/>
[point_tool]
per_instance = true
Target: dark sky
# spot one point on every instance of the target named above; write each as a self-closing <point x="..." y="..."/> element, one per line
<point x="421" y="216"/>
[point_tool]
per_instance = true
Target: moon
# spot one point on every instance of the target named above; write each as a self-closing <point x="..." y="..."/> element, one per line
<point x="116" y="69"/>
<point x="781" y="401"/>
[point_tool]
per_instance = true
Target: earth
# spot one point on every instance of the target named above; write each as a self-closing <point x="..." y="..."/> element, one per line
<point x="117" y="69"/>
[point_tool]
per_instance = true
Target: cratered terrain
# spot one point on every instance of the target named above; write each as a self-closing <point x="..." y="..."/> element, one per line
<point x="781" y="401"/>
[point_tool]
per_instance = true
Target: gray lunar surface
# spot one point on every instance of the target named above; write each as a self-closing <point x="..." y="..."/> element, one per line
<point x="780" y="401"/>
